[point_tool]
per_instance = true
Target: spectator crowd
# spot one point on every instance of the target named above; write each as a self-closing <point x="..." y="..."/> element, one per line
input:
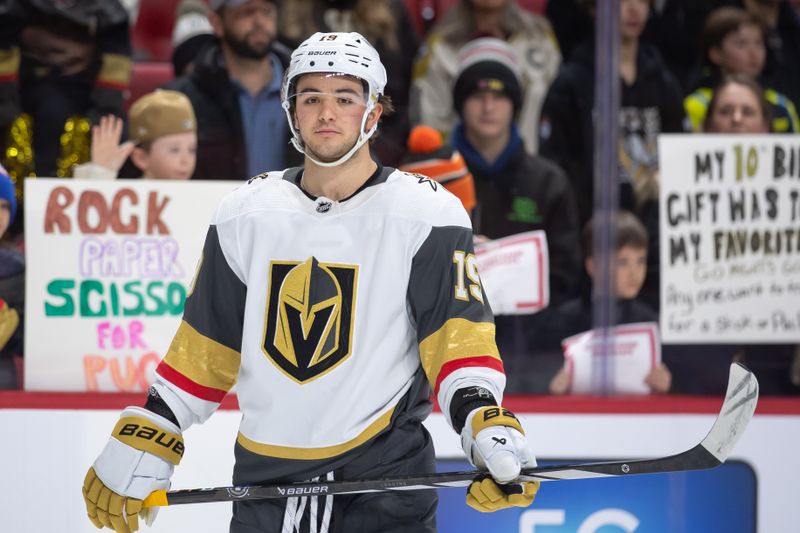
<point x="493" y="98"/>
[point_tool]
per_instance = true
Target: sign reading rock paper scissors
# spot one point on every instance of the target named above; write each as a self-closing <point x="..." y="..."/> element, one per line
<point x="108" y="269"/>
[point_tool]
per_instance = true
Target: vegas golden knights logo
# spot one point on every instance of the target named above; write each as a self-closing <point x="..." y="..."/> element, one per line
<point x="310" y="313"/>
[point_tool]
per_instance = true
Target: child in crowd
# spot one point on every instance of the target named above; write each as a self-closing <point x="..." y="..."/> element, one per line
<point x="163" y="140"/>
<point x="651" y="104"/>
<point x="629" y="270"/>
<point x="516" y="192"/>
<point x="12" y="289"/>
<point x="733" y="43"/>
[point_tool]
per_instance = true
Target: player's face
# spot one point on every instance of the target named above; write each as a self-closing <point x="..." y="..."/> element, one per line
<point x="630" y="268"/>
<point x="741" y="52"/>
<point x="249" y="29"/>
<point x="633" y="17"/>
<point x="171" y="157"/>
<point x="487" y="115"/>
<point x="737" y="110"/>
<point x="328" y="110"/>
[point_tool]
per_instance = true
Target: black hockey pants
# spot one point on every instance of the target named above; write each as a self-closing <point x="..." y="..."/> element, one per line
<point x="405" y="449"/>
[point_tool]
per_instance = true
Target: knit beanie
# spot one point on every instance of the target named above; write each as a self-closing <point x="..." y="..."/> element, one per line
<point x="487" y="64"/>
<point x="191" y="33"/>
<point x="7" y="193"/>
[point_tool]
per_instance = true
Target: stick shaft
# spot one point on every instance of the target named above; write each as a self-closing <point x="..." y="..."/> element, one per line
<point x="697" y="458"/>
<point x="737" y="409"/>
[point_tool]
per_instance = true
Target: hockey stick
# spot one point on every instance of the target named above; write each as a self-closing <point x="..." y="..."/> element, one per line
<point x="737" y="409"/>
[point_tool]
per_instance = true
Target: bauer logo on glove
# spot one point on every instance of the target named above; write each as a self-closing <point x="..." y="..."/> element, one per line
<point x="141" y="434"/>
<point x="138" y="459"/>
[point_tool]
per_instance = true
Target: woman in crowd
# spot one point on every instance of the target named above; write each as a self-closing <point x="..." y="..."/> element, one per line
<point x="738" y="106"/>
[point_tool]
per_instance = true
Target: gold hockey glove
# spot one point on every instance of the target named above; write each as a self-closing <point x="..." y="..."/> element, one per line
<point x="493" y="440"/>
<point x="138" y="459"/>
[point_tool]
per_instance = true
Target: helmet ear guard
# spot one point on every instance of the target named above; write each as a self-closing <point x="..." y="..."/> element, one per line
<point x="335" y="53"/>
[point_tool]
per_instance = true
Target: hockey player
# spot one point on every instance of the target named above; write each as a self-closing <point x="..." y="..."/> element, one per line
<point x="335" y="295"/>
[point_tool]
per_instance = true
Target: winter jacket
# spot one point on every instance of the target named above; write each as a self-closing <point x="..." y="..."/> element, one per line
<point x="528" y="193"/>
<point x="12" y="291"/>
<point x="42" y="97"/>
<point x="518" y="193"/>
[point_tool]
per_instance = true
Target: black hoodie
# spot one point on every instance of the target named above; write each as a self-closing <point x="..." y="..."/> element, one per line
<point x="653" y="104"/>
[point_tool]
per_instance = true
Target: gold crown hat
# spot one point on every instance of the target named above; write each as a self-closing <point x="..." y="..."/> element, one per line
<point x="160" y="113"/>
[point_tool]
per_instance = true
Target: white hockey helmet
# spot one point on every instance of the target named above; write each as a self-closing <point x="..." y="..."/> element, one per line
<point x="335" y="53"/>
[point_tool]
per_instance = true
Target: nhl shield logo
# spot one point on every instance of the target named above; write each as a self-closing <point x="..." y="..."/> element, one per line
<point x="310" y="314"/>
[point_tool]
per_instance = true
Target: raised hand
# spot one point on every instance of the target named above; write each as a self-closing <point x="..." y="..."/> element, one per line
<point x="106" y="149"/>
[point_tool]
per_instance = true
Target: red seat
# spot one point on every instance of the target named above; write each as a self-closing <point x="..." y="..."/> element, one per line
<point x="151" y="36"/>
<point x="147" y="77"/>
<point x="437" y="8"/>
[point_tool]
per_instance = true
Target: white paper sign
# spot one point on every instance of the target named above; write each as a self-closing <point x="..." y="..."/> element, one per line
<point x="730" y="238"/>
<point x="108" y="267"/>
<point x="634" y="352"/>
<point x="515" y="273"/>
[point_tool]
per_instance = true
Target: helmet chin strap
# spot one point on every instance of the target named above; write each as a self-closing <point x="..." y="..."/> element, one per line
<point x="362" y="138"/>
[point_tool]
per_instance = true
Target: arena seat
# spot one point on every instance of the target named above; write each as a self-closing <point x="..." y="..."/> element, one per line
<point x="151" y="35"/>
<point x="146" y="77"/>
<point x="421" y="10"/>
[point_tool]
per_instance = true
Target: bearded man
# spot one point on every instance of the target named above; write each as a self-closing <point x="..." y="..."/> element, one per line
<point x="235" y="91"/>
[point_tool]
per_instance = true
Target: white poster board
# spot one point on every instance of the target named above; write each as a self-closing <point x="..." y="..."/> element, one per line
<point x="515" y="273"/>
<point x="635" y="351"/>
<point x="108" y="266"/>
<point x="730" y="238"/>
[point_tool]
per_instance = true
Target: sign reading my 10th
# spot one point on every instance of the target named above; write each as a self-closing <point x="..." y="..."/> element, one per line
<point x="108" y="266"/>
<point x="730" y="238"/>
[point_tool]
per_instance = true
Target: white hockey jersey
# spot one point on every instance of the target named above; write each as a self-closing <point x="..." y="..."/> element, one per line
<point x="322" y="312"/>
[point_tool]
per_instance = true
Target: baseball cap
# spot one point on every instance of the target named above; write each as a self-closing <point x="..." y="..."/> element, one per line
<point x="160" y="113"/>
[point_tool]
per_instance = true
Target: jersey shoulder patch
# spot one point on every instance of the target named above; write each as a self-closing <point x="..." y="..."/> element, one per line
<point x="425" y="180"/>
<point x="240" y="199"/>
<point x="419" y="196"/>
<point x="262" y="176"/>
